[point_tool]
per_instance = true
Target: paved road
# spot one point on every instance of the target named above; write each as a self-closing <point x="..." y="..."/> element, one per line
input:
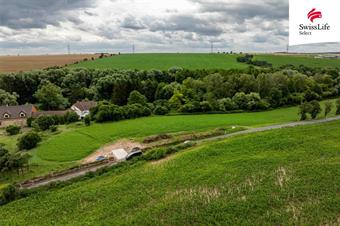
<point x="81" y="172"/>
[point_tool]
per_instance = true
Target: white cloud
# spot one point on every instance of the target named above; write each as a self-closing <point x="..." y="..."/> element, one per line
<point x="46" y="26"/>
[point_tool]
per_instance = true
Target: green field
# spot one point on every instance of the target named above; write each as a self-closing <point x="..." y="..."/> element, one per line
<point x="281" y="177"/>
<point x="306" y="60"/>
<point x="76" y="142"/>
<point x="164" y="61"/>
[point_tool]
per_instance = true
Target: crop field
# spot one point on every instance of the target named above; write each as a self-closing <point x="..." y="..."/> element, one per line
<point x="164" y="61"/>
<point x="198" y="61"/>
<point x="27" y="63"/>
<point x="306" y="60"/>
<point x="281" y="177"/>
<point x="73" y="144"/>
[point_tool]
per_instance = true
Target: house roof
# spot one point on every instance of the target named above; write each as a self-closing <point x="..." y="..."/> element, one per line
<point x="15" y="111"/>
<point x="85" y="105"/>
<point x="48" y="113"/>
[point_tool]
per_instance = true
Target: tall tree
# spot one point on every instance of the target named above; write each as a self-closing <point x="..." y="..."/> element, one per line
<point x="50" y="97"/>
<point x="7" y="98"/>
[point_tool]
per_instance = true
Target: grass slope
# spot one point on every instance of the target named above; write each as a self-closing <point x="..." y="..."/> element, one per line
<point x="72" y="144"/>
<point x="309" y="61"/>
<point x="281" y="177"/>
<point x="164" y="61"/>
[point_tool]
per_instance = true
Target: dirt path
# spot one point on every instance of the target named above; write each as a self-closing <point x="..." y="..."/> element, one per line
<point x="267" y="128"/>
<point x="81" y="172"/>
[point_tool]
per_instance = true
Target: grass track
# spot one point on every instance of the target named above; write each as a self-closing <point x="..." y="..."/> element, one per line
<point x="278" y="177"/>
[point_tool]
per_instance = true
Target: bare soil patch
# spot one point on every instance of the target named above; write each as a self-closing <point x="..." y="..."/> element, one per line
<point x="27" y="63"/>
<point x="106" y="150"/>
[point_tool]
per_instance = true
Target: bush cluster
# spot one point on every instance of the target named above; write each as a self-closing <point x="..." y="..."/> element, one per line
<point x="46" y="122"/>
<point x="29" y="141"/>
<point x="13" y="130"/>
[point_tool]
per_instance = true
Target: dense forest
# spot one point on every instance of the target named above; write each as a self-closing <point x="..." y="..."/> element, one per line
<point x="137" y="93"/>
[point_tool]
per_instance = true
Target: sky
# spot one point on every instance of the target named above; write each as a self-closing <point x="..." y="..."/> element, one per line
<point x="91" y="26"/>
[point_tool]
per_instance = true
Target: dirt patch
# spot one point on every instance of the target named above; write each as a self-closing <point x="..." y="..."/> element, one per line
<point x="27" y="63"/>
<point x="106" y="150"/>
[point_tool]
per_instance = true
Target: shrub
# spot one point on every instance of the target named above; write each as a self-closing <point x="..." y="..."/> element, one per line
<point x="205" y="106"/>
<point x="161" y="110"/>
<point x="54" y="128"/>
<point x="13" y="130"/>
<point x="315" y="109"/>
<point x="304" y="109"/>
<point x="328" y="108"/>
<point x="29" y="141"/>
<point x="338" y="107"/>
<point x="8" y="194"/>
<point x="241" y="100"/>
<point x="29" y="121"/>
<point x="43" y="123"/>
<point x="226" y="104"/>
<point x="137" y="98"/>
<point x="71" y="117"/>
<point x="87" y="120"/>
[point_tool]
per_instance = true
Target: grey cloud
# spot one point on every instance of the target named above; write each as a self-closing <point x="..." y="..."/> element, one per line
<point x="186" y="23"/>
<point x="25" y="14"/>
<point x="132" y="23"/>
<point x="242" y="10"/>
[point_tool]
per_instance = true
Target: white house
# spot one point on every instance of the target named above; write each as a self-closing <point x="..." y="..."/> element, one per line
<point x="82" y="108"/>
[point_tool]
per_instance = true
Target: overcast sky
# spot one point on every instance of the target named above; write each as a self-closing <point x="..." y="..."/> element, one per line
<point x="47" y="26"/>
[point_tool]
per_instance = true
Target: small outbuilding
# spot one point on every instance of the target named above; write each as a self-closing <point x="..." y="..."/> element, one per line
<point x="119" y="154"/>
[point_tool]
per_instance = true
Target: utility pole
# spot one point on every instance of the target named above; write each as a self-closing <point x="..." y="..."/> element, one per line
<point x="68" y="49"/>
<point x="212" y="46"/>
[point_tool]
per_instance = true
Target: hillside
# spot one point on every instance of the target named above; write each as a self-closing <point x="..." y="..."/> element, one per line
<point x="278" y="177"/>
<point x="75" y="142"/>
<point x="164" y="61"/>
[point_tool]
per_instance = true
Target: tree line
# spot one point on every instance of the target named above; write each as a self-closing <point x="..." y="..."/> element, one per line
<point x="177" y="89"/>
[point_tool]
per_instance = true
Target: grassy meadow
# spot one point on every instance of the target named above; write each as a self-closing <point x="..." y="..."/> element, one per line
<point x="164" y="61"/>
<point x="281" y="177"/>
<point x="75" y="142"/>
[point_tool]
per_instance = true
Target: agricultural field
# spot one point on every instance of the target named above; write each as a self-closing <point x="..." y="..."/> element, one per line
<point x="74" y="143"/>
<point x="27" y="63"/>
<point x="199" y="61"/>
<point x="297" y="60"/>
<point x="164" y="61"/>
<point x="281" y="177"/>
